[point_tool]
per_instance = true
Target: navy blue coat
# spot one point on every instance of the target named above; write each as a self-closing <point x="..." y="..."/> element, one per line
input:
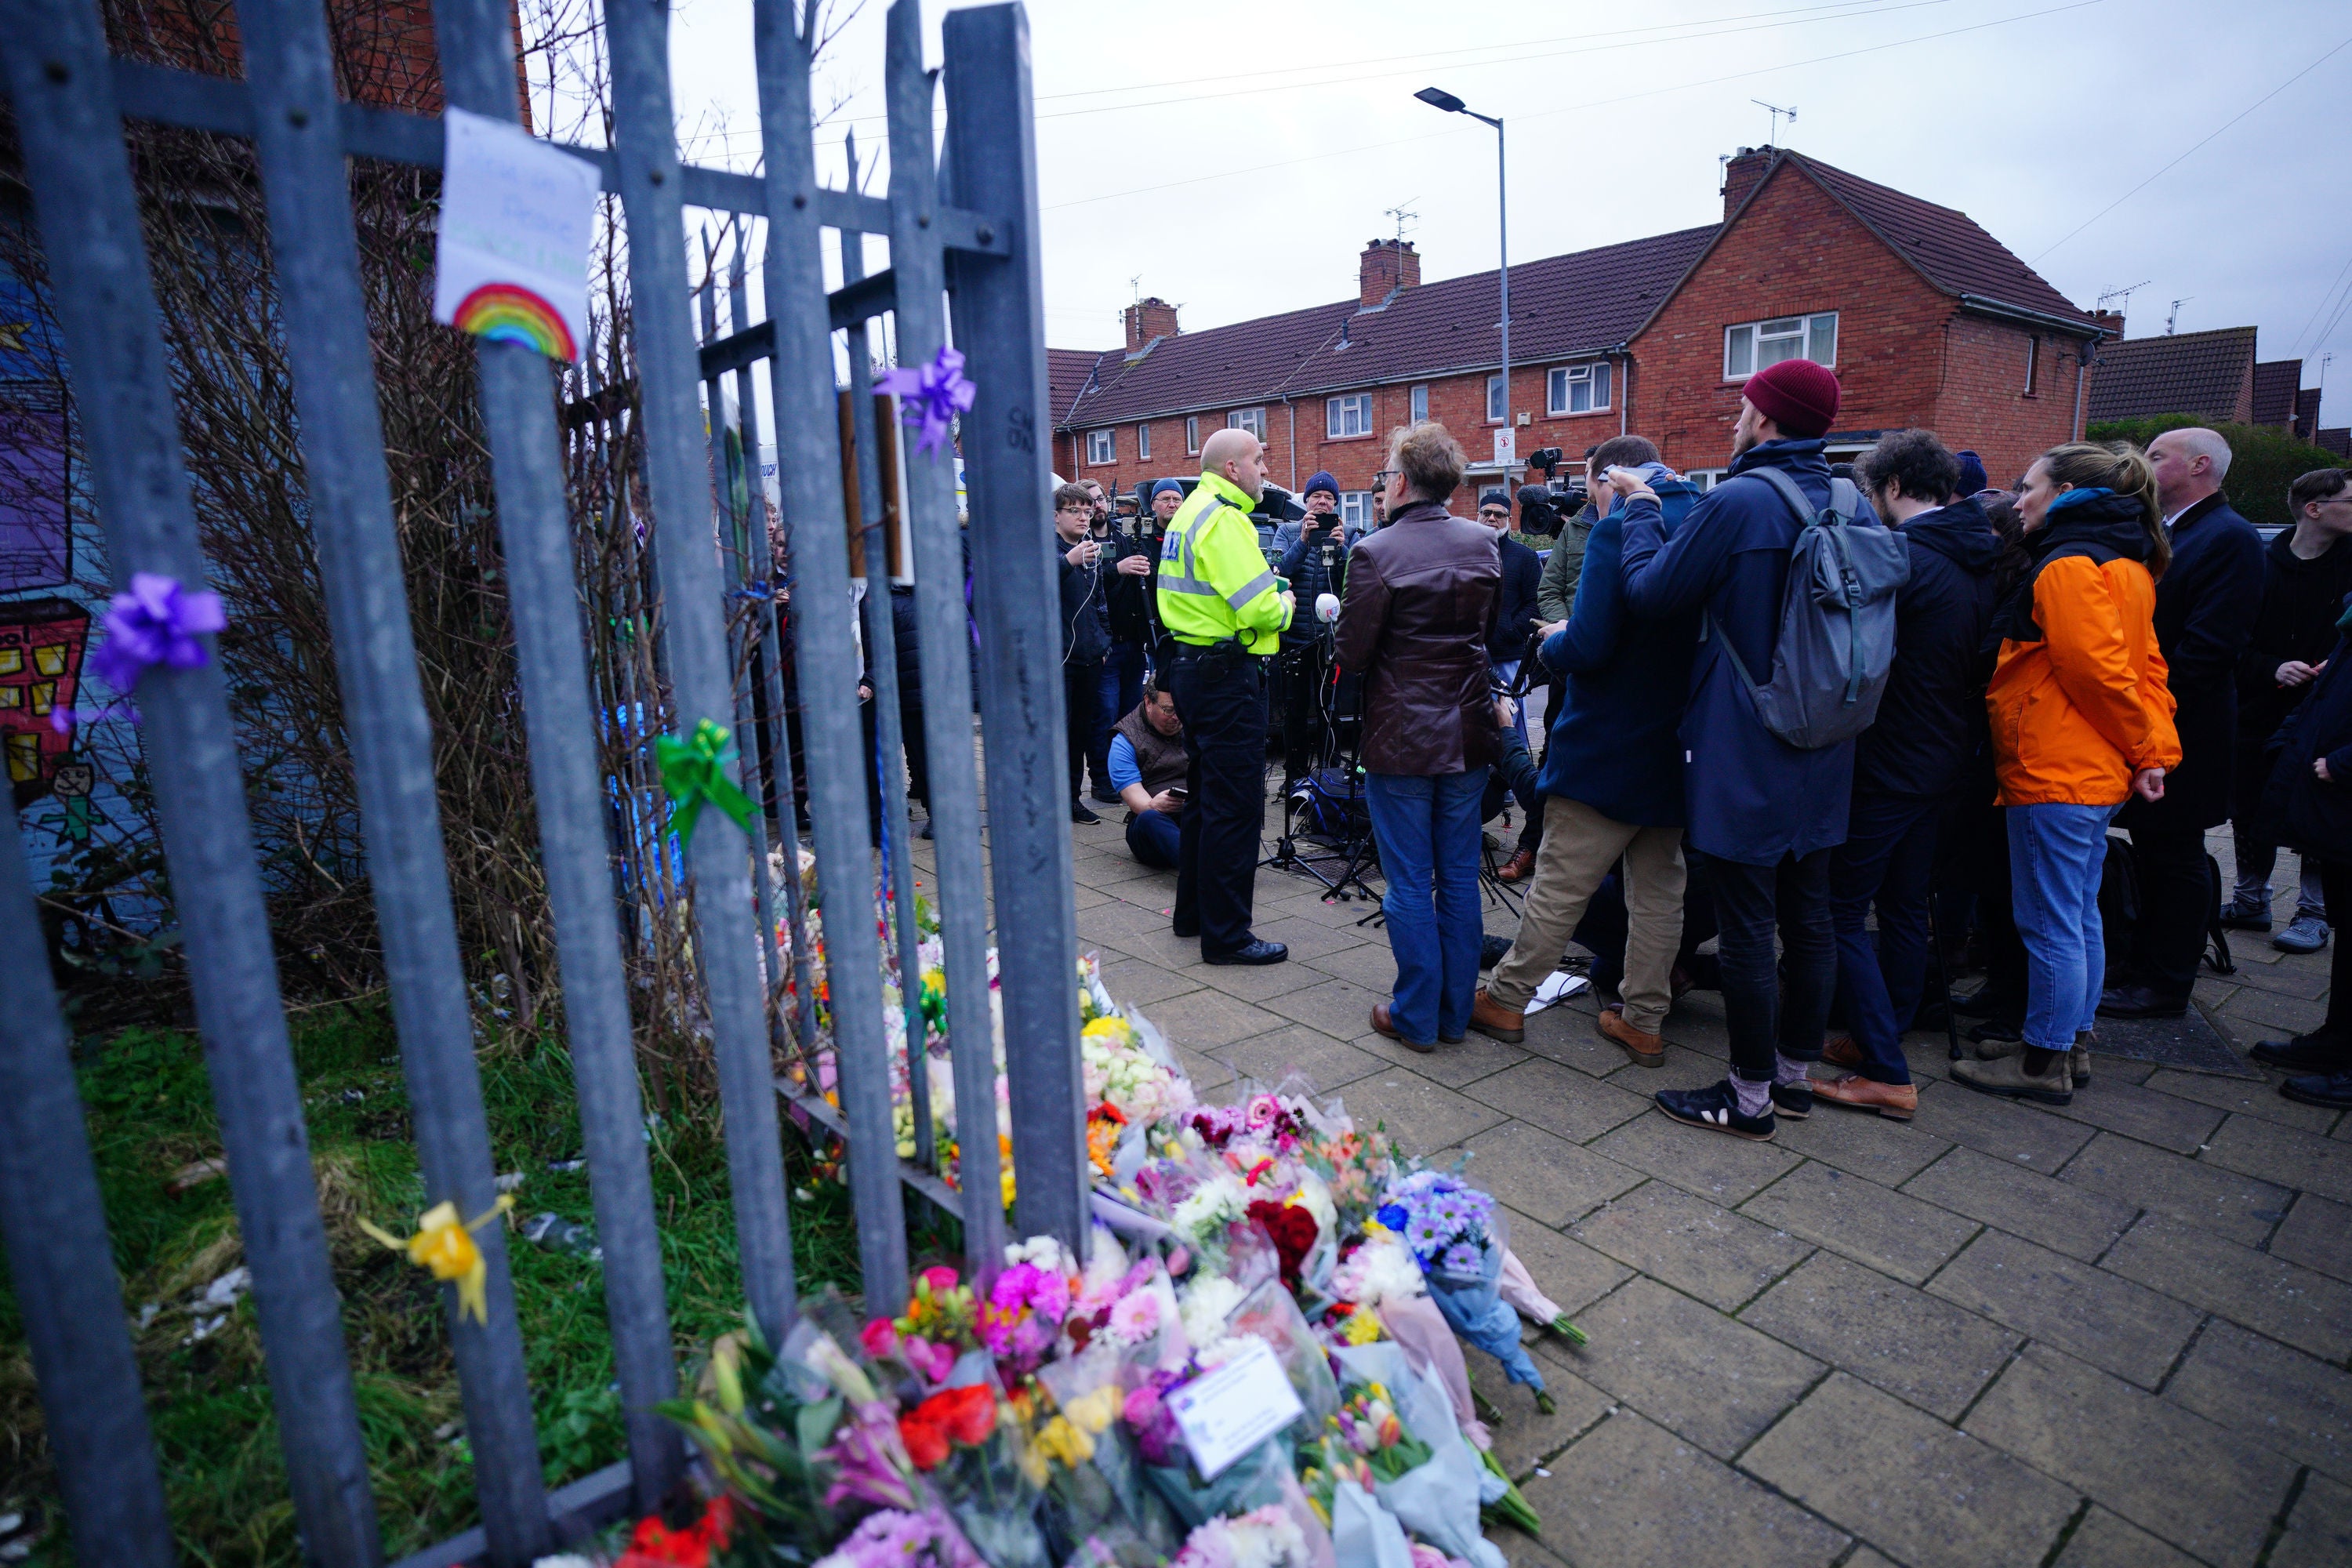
<point x="2313" y="817"/>
<point x="1522" y="575"/>
<point x="2206" y="605"/>
<point x="1751" y="796"/>
<point x="1931" y="722"/>
<point x="1614" y="745"/>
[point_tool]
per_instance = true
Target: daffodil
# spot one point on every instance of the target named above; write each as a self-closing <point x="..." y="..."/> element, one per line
<point x="445" y="1246"/>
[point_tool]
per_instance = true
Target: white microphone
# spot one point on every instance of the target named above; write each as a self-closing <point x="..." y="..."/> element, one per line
<point x="1327" y="607"/>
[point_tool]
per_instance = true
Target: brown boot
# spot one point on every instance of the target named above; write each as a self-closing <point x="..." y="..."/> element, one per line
<point x="1839" y="1051"/>
<point x="1517" y="869"/>
<point x="1494" y="1021"/>
<point x="1896" y="1101"/>
<point x="1380" y="1025"/>
<point x="1648" y="1049"/>
<point x="2008" y="1076"/>
<point x="2078" y="1061"/>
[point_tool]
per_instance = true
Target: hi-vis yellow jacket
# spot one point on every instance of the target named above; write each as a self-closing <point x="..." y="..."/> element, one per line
<point x="1213" y="580"/>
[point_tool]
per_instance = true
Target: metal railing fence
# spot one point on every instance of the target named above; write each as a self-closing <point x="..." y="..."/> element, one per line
<point x="977" y="257"/>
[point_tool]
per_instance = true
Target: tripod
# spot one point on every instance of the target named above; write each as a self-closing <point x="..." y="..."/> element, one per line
<point x="1340" y="846"/>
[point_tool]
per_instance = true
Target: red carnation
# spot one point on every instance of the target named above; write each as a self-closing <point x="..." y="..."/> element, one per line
<point x="1292" y="1230"/>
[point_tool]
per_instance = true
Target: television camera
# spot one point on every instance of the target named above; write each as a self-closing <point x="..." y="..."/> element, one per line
<point x="1546" y="507"/>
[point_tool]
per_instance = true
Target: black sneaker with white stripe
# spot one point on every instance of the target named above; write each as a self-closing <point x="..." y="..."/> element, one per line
<point x="1793" y="1100"/>
<point x="1715" y="1106"/>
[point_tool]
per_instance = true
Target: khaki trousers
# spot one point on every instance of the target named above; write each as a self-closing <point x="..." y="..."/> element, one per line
<point x="1579" y="846"/>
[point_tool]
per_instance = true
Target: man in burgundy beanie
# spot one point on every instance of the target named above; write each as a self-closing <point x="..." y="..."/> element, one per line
<point x="1763" y="814"/>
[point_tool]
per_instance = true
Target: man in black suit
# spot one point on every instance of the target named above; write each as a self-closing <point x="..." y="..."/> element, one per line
<point x="2206" y="607"/>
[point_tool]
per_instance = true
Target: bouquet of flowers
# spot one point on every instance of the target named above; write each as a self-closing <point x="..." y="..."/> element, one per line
<point x="1263" y="1538"/>
<point x="894" y="1539"/>
<point x="1421" y="1469"/>
<point x="1454" y="1232"/>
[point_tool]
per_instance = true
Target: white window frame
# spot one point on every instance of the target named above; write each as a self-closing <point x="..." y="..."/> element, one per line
<point x="2034" y="365"/>
<point x="1705" y="478"/>
<point x="1143" y="443"/>
<point x="1497" y="403"/>
<point x="1420" y="403"/>
<point x="1348" y="416"/>
<point x="1596" y="377"/>
<point x="1355" y="510"/>
<point x="1191" y="434"/>
<point x="1102" y="448"/>
<point x="1250" y="419"/>
<point x="1813" y="333"/>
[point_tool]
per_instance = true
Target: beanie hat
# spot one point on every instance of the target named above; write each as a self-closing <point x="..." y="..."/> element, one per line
<point x="1797" y="394"/>
<point x="1166" y="486"/>
<point x="1972" y="472"/>
<point x="1321" y="481"/>
<point x="1493" y="498"/>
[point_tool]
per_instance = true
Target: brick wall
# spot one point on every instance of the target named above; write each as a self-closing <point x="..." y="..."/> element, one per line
<point x="1985" y="404"/>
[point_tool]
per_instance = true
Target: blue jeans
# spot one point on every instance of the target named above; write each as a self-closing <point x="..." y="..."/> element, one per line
<point x="2055" y="856"/>
<point x="1427" y="829"/>
<point x="1888" y="858"/>
<point x="1118" y="691"/>
<point x="1154" y="838"/>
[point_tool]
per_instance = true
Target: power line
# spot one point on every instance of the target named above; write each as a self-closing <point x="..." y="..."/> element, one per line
<point x="2207" y="137"/>
<point x="2322" y="307"/>
<point x="1579" y="107"/>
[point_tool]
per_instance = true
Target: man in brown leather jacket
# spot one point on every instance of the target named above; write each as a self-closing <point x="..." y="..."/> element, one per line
<point x="1423" y="597"/>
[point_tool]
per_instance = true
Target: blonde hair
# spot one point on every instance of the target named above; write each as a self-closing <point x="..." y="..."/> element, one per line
<point x="1431" y="460"/>
<point x="2120" y="467"/>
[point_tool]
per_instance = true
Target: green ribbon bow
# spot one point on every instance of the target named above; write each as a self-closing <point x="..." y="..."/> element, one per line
<point x="695" y="772"/>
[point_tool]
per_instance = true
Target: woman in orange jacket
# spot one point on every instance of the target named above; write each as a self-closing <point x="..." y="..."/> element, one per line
<point x="2082" y="719"/>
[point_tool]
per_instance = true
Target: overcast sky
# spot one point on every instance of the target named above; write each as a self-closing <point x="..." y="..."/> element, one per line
<point x="1235" y="157"/>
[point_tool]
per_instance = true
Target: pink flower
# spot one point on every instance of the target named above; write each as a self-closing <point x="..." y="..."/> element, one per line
<point x="934" y="1362"/>
<point x="941" y="1279"/>
<point x="1142" y="1404"/>
<point x="1136" y="1317"/>
<point x="1178" y="1261"/>
<point x="880" y="1339"/>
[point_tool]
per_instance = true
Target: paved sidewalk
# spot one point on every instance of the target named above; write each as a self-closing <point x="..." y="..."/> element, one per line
<point x="2115" y="1334"/>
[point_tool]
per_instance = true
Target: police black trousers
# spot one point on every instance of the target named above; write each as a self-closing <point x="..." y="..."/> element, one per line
<point x="1224" y="739"/>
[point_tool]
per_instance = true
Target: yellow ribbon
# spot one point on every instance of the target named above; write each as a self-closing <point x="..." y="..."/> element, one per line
<point x="447" y="1246"/>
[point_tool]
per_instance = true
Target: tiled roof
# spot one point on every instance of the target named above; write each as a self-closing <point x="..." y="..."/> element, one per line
<point x="1579" y="303"/>
<point x="1948" y="247"/>
<point x="2337" y="440"/>
<point x="2190" y="372"/>
<point x="2306" y="412"/>
<point x="2275" y="384"/>
<point x="1065" y="376"/>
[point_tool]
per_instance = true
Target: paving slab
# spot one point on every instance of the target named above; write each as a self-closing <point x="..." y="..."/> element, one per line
<point x="1867" y="1144"/>
<point x="1526" y="1436"/>
<point x="2069" y="1220"/>
<point x="2103" y="1318"/>
<point x="1695" y="1245"/>
<point x="2244" y="1096"/>
<point x="1326" y="1063"/>
<point x="1687" y="1366"/>
<point x="1210" y="1020"/>
<point x="1915" y="1346"/>
<point x="1132" y="982"/>
<point x="2106" y="1540"/>
<point x="1208" y="1074"/>
<point x="2275" y="1397"/>
<point x="2318" y="1529"/>
<point x="1570" y="1273"/>
<point x="1564" y="1034"/>
<point x="2186" y="1480"/>
<point x="1905" y="1482"/>
<point x="1887" y="1229"/>
<point x="2269" y="1295"/>
<point x="1368" y="963"/>
<point x="1726" y="1170"/>
<point x="1420" y="1114"/>
<point x="2286" y="1156"/>
<point x="1456" y="1064"/>
<point x="1338" y="1007"/>
<point x="2243" y="1208"/>
<point x="1630" y="1494"/>
<point x="2012" y="1133"/>
<point x="2272" y="1014"/>
<point x="1574" y="1105"/>
<point x="2149" y="1115"/>
<point x="2316" y="1234"/>
<point x="1547" y="1176"/>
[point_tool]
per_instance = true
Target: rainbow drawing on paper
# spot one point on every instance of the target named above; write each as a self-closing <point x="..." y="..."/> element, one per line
<point x="508" y="312"/>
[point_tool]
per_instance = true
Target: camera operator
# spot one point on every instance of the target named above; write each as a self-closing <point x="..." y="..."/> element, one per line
<point x="1313" y="556"/>
<point x="1423" y="596"/>
<point x="1225" y="610"/>
<point x="1521" y="573"/>
<point x="1086" y="631"/>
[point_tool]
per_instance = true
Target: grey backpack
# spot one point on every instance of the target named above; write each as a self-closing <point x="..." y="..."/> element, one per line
<point x="1837" y="622"/>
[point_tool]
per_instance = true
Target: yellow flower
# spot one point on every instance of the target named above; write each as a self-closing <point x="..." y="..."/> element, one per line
<point x="1032" y="1460"/>
<point x="1065" y="1442"/>
<point x="446" y="1248"/>
<point x="1363" y="1327"/>
<point x="1093" y="1412"/>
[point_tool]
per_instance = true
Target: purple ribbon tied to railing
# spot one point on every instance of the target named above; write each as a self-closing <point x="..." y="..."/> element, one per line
<point x="156" y="620"/>
<point x="932" y="396"/>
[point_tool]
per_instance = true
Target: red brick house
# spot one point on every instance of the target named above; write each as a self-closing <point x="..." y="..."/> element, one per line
<point x="1928" y="319"/>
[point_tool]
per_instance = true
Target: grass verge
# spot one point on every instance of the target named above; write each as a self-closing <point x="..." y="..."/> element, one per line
<point x="151" y="1117"/>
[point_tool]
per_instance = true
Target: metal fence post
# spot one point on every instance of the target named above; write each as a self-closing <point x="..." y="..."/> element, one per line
<point x="62" y="91"/>
<point x="808" y="465"/>
<point x="645" y="152"/>
<point x="1000" y="320"/>
<point x="916" y="260"/>
<point x="60" y="1263"/>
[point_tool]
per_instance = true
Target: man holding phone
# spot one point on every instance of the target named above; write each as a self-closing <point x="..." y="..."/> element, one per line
<point x="1148" y="765"/>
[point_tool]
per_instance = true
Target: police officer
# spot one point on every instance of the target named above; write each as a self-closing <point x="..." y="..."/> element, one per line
<point x="1226" y="612"/>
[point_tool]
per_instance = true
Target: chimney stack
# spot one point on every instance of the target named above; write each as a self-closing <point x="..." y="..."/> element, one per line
<point x="1147" y="319"/>
<point x="1741" y="175"/>
<point x="1386" y="266"/>
<point x="2113" y="321"/>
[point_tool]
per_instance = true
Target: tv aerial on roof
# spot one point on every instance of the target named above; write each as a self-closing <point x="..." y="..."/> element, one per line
<point x="1772" y="134"/>
<point x="1400" y="213"/>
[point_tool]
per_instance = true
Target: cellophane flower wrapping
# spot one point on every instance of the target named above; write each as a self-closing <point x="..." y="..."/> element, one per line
<point x="1438" y="1500"/>
<point x="1460" y="1237"/>
<point x="1100" y="1505"/>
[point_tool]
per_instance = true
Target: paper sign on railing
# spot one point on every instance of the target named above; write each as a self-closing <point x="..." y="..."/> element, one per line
<point x="517" y="219"/>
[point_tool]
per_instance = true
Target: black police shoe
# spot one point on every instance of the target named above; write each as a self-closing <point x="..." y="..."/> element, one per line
<point x="1255" y="952"/>
<point x="2333" y="1090"/>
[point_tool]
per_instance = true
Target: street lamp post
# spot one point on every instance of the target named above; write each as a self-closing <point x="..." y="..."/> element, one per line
<point x="1438" y="97"/>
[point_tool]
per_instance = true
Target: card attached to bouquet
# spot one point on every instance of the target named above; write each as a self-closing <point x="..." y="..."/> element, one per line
<point x="518" y="217"/>
<point x="1229" y="1410"/>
